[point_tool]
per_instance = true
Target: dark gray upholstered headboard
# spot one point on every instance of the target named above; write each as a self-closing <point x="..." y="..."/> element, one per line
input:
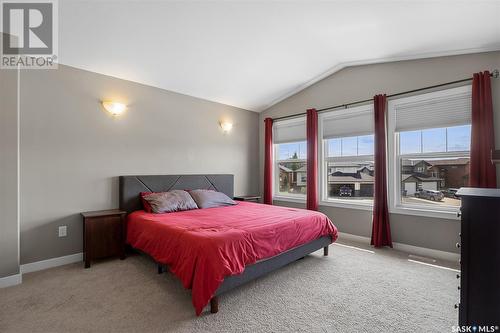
<point x="132" y="186"/>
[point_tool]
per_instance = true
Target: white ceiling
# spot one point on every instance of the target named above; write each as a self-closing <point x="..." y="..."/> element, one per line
<point x="253" y="54"/>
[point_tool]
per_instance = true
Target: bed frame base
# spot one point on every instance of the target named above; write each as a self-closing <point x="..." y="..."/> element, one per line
<point x="260" y="268"/>
<point x="263" y="267"/>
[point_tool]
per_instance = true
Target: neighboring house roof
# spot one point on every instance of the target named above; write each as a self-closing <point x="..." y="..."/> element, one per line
<point x="348" y="164"/>
<point x="454" y="161"/>
<point x="340" y="177"/>
<point x="420" y="177"/>
<point x="448" y="161"/>
<point x="291" y="160"/>
<point x="404" y="177"/>
<point x="302" y="169"/>
<point x="284" y="168"/>
<point x="406" y="162"/>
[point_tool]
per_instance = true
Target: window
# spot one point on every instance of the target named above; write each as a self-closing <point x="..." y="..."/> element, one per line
<point x="290" y="154"/>
<point x="292" y="170"/>
<point x="432" y="174"/>
<point x="347" y="172"/>
<point x="429" y="150"/>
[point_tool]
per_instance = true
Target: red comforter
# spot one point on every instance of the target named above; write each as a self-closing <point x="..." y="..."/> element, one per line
<point x="203" y="246"/>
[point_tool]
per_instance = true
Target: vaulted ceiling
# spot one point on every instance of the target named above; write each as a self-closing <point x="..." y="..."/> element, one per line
<point x="252" y="54"/>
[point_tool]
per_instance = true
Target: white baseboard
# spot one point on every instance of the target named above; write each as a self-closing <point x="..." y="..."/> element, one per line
<point x="355" y="238"/>
<point x="49" y="263"/>
<point x="425" y="252"/>
<point x="410" y="249"/>
<point x="11" y="280"/>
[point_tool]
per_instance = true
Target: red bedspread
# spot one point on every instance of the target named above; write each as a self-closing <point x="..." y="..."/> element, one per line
<point x="203" y="246"/>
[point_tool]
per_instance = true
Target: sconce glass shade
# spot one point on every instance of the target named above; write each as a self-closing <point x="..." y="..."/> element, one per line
<point x="114" y="108"/>
<point x="226" y="126"/>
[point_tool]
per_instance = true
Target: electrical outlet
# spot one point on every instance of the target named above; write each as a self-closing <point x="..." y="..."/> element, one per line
<point x="63" y="231"/>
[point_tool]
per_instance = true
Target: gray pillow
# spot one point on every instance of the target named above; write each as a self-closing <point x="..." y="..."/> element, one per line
<point x="172" y="201"/>
<point x="210" y="198"/>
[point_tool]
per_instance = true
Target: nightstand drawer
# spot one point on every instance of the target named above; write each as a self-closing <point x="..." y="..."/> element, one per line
<point x="105" y="236"/>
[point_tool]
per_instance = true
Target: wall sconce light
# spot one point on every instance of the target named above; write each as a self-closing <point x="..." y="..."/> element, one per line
<point x="115" y="108"/>
<point x="226" y="126"/>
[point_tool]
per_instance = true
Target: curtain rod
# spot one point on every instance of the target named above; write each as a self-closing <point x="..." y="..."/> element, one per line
<point x="494" y="74"/>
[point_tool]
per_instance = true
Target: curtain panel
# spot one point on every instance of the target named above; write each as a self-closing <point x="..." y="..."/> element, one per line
<point x="268" y="161"/>
<point x="312" y="159"/>
<point x="482" y="170"/>
<point x="381" y="230"/>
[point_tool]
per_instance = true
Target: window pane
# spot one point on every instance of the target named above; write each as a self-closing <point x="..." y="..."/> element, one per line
<point x="350" y="146"/>
<point x="334" y="147"/>
<point x="365" y="145"/>
<point x="459" y="138"/>
<point x="433" y="182"/>
<point x="353" y="180"/>
<point x="410" y="142"/>
<point x="292" y="150"/>
<point x="434" y="140"/>
<point x="292" y="168"/>
<point x="350" y="180"/>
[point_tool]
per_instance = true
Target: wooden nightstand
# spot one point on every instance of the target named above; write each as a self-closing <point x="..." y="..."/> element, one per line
<point x="104" y="234"/>
<point x="253" y="198"/>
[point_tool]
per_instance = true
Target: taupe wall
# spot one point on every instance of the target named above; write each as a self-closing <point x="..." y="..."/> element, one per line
<point x="362" y="82"/>
<point x="9" y="234"/>
<point x="72" y="151"/>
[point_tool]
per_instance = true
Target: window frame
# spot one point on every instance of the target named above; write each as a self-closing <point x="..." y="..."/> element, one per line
<point x="300" y="198"/>
<point x="324" y="200"/>
<point x="297" y="198"/>
<point x="394" y="161"/>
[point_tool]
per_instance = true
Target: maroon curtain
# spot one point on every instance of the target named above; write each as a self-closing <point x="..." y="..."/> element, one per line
<point x="312" y="159"/>
<point x="482" y="171"/>
<point x="381" y="230"/>
<point x="268" y="161"/>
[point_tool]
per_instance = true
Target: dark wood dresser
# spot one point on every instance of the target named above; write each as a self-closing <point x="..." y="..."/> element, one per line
<point x="480" y="257"/>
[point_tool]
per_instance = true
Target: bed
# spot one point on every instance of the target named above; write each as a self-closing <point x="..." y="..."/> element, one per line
<point x="213" y="250"/>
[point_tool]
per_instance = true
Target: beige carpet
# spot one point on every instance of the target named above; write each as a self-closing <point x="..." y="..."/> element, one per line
<point x="349" y="291"/>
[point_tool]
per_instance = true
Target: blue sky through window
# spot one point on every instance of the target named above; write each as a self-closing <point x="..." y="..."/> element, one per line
<point x="459" y="138"/>
<point x="351" y="146"/>
<point x="435" y="140"/>
<point x="288" y="150"/>
<point x="366" y="144"/>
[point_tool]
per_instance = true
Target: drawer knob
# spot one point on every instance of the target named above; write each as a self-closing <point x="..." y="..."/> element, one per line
<point x="456" y="306"/>
<point x="459" y="214"/>
<point x="458" y="276"/>
<point x="458" y="245"/>
<point x="458" y="287"/>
